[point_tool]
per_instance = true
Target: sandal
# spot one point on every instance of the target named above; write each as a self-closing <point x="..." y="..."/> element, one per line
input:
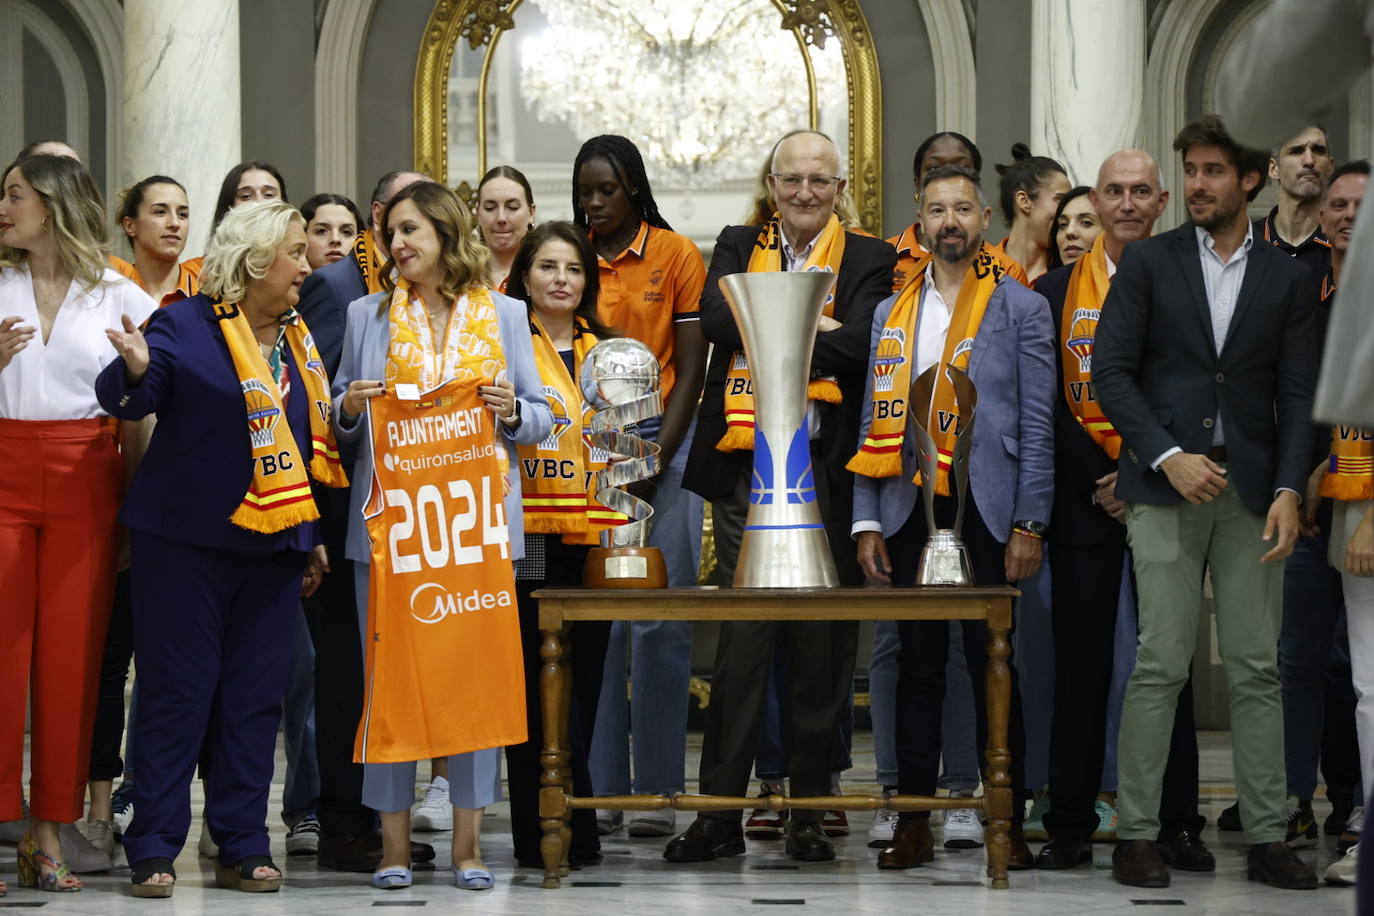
<point x="144" y="870"/>
<point x="32" y="863"/>
<point x="239" y="877"/>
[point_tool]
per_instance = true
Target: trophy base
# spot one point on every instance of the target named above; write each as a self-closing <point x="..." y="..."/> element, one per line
<point x="785" y="558"/>
<point x="625" y="567"/>
<point x="944" y="561"/>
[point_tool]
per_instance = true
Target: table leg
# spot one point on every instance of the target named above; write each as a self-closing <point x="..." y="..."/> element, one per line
<point x="565" y="758"/>
<point x="998" y="795"/>
<point x="553" y="805"/>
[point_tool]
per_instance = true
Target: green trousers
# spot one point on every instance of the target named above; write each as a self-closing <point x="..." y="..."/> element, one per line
<point x="1172" y="546"/>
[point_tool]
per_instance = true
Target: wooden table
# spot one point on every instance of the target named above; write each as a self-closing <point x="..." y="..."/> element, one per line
<point x="560" y="606"/>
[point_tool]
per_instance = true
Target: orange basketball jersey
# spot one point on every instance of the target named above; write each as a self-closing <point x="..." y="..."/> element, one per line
<point x="443" y="666"/>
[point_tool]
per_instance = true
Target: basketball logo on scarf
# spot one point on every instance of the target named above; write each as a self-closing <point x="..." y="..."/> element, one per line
<point x="263" y="412"/>
<point x="561" y="420"/>
<point x="1081" y="336"/>
<point x="888" y="358"/>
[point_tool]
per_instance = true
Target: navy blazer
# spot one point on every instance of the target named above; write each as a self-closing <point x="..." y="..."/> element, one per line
<point x="325" y="295"/>
<point x="199" y="463"/>
<point x="1011" y="462"/>
<point x="1161" y="381"/>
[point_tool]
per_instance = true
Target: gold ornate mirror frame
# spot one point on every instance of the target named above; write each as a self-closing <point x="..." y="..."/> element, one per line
<point x="482" y="22"/>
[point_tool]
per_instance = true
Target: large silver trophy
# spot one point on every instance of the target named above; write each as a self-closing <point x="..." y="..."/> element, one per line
<point x="619" y="381"/>
<point x="784" y="543"/>
<point x="944" y="561"/>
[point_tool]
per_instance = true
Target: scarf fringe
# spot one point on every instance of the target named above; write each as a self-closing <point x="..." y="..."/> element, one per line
<point x="872" y="465"/>
<point x="270" y="521"/>
<point x="823" y="389"/>
<point x="1347" y="489"/>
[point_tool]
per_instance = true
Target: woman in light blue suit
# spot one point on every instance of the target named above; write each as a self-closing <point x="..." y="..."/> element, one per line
<point x="430" y="244"/>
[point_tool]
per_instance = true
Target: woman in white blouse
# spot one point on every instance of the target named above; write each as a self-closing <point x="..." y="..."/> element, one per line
<point x="58" y="494"/>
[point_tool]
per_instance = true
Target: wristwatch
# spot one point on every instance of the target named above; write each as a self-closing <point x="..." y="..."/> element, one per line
<point x="1034" y="529"/>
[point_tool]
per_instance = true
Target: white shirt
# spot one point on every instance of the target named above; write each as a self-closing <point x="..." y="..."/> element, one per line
<point x="56" y="380"/>
<point x="793" y="260"/>
<point x="1222" y="281"/>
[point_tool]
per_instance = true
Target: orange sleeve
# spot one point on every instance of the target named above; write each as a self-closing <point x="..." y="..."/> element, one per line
<point x="124" y="268"/>
<point x="691" y="280"/>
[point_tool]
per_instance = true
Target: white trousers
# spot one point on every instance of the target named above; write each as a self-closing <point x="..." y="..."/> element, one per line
<point x="1359" y="616"/>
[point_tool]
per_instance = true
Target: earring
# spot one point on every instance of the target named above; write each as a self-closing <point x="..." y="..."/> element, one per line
<point x="44" y="225"/>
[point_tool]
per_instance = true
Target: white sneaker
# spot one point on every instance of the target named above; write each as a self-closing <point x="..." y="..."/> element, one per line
<point x="99" y="833"/>
<point x="1342" y="871"/>
<point x="653" y="823"/>
<point x="206" y="847"/>
<point x="434" y="813"/>
<point x="963" y="829"/>
<point x="883" y="827"/>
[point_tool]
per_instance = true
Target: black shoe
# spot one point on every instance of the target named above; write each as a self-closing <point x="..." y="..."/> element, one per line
<point x="806" y="842"/>
<point x="1137" y="863"/>
<point x="1302" y="824"/>
<point x="706" y="839"/>
<point x="1277" y="865"/>
<point x="1063" y="852"/>
<point x="362" y="852"/>
<point x="1186" y="851"/>
<point x="1230" y="818"/>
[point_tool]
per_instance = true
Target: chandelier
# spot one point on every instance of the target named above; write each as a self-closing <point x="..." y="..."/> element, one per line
<point x="702" y="87"/>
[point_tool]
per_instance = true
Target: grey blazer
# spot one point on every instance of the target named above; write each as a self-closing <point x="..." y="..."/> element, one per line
<point x="366" y="336"/>
<point x="1011" y="465"/>
<point x="1293" y="62"/>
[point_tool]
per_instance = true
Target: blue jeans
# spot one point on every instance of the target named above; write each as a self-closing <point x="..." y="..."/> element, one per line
<point x="960" y="752"/>
<point x="302" y="789"/>
<point x="659" y="663"/>
<point x="770" y="762"/>
<point x="1314" y="669"/>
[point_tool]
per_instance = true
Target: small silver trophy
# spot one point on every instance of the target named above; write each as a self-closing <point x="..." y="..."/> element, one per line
<point x="620" y="379"/>
<point x="944" y="561"/>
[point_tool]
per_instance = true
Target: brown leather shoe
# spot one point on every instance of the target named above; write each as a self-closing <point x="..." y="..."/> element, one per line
<point x="912" y="845"/>
<point x="362" y="852"/>
<point x="1186" y="851"/>
<point x="807" y="842"/>
<point x="1021" y="858"/>
<point x="707" y="838"/>
<point x="1064" y="852"/>
<point x="1137" y="863"/>
<point x="1279" y="866"/>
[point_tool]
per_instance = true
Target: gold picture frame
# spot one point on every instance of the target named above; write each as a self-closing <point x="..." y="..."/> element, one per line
<point x="481" y="23"/>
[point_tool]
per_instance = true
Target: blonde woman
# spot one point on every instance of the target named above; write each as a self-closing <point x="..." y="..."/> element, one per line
<point x="59" y="492"/>
<point x="223" y="538"/>
<point x="435" y="310"/>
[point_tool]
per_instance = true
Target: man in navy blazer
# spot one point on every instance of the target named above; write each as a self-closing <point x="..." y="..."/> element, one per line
<point x="348" y="840"/>
<point x="1204" y="362"/>
<point x="1011" y="487"/>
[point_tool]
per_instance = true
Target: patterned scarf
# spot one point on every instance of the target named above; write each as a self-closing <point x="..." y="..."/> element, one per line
<point x="1077" y="330"/>
<point x="368" y="264"/>
<point x="881" y="452"/>
<point x="826" y="255"/>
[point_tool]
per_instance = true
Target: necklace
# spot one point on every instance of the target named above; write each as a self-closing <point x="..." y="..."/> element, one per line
<point x="54" y="294"/>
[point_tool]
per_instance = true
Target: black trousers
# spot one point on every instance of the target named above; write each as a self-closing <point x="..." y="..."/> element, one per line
<point x="586" y="654"/>
<point x="1086" y="586"/>
<point x="820" y="660"/>
<point x="332" y="614"/>
<point x="108" y="732"/>
<point x="925" y="649"/>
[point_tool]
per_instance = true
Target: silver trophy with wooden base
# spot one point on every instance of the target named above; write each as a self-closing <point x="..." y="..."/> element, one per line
<point x="944" y="561"/>
<point x="784" y="543"/>
<point x="620" y="379"/>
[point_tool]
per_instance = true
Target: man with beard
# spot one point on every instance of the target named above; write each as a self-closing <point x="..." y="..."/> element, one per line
<point x="1204" y="363"/>
<point x="960" y="308"/>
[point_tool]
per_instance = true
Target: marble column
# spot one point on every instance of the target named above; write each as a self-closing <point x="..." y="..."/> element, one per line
<point x="181" y="99"/>
<point x="1087" y="81"/>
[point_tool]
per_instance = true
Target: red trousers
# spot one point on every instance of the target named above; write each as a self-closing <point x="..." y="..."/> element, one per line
<point x="59" y="492"/>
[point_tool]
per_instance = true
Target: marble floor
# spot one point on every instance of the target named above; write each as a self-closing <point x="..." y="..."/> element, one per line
<point x="634" y="878"/>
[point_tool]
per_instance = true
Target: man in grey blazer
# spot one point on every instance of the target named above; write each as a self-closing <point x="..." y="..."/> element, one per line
<point x="1011" y="468"/>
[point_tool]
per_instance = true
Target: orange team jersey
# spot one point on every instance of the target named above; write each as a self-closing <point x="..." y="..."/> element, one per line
<point x="188" y="278"/>
<point x="443" y="668"/>
<point x="910" y="251"/>
<point x="649" y="287"/>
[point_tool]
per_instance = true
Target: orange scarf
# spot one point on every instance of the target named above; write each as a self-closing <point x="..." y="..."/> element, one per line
<point x="279" y="496"/>
<point x="826" y="255"/>
<point x="1350" y="469"/>
<point x="556" y="474"/>
<point x="367" y="261"/>
<point x="880" y="455"/>
<point x="1077" y="330"/>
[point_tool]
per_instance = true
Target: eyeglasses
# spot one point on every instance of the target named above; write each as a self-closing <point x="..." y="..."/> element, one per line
<point x="817" y="183"/>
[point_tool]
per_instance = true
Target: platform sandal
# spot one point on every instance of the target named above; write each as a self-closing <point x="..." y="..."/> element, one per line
<point x="145" y="869"/>
<point x="239" y="876"/>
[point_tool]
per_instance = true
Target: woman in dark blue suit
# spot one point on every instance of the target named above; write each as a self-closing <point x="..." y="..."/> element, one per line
<point x="223" y="537"/>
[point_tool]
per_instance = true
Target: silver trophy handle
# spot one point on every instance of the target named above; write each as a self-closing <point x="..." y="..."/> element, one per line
<point x="966" y="396"/>
<point x="922" y="392"/>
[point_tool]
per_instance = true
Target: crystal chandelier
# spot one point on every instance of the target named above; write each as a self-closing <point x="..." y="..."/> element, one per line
<point x="702" y="87"/>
